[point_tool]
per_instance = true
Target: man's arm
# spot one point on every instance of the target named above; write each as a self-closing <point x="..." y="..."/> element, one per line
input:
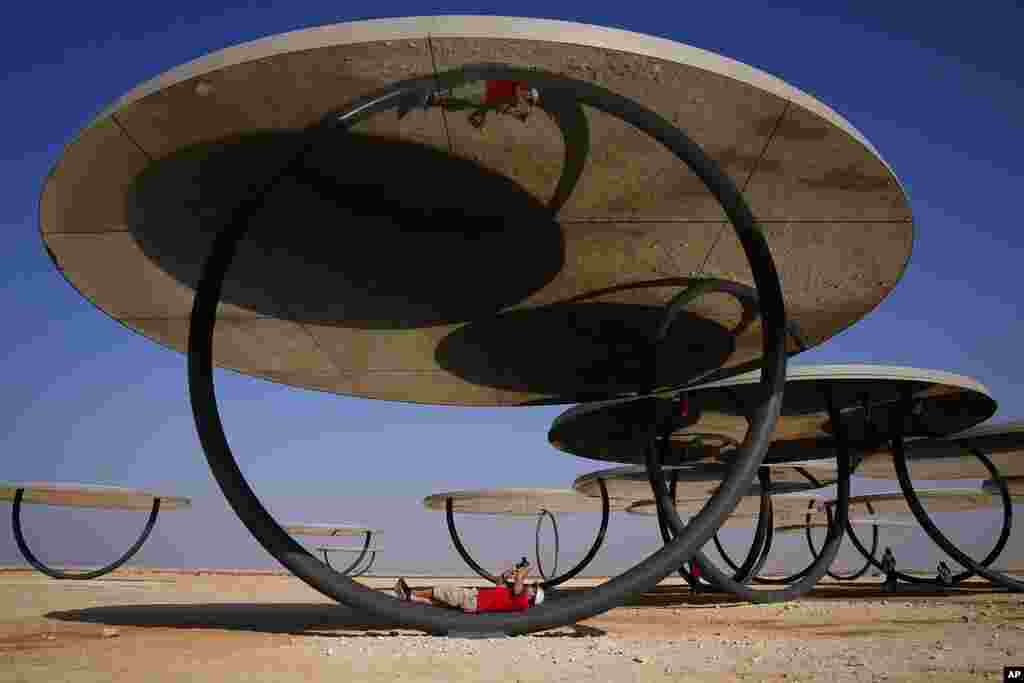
<point x="519" y="580"/>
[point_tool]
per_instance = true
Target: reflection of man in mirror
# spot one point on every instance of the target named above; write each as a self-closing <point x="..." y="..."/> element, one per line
<point x="514" y="98"/>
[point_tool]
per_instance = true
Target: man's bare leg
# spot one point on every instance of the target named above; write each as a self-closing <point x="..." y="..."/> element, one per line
<point x="424" y="596"/>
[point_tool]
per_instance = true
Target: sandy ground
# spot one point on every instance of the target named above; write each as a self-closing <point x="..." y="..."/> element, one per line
<point x="162" y="626"/>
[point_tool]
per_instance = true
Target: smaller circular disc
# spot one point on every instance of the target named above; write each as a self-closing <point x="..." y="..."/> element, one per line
<point x="744" y="516"/>
<point x="935" y="500"/>
<point x="314" y="529"/>
<point x="89" y="496"/>
<point x="948" y="458"/>
<point x="856" y="521"/>
<point x="616" y="431"/>
<point x="517" y="501"/>
<point x="696" y="482"/>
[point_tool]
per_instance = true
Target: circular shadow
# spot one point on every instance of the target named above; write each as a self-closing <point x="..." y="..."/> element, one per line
<point x="577" y="351"/>
<point x="374" y="233"/>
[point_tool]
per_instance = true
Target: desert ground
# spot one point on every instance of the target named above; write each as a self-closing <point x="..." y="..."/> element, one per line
<point x="175" y="625"/>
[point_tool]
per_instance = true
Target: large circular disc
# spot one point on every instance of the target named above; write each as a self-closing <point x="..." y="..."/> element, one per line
<point x="695" y="482"/>
<point x="936" y="459"/>
<point x="946" y="403"/>
<point x="89" y="496"/>
<point x="379" y="288"/>
<point x="517" y="501"/>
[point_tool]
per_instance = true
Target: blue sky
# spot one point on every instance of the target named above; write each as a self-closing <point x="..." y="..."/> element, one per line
<point x="85" y="400"/>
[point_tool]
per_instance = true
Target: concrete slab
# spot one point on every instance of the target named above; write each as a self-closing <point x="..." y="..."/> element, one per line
<point x="949" y="458"/>
<point x="517" y="501"/>
<point x="327" y="529"/>
<point x="89" y="495"/>
<point x="785" y="511"/>
<point x="934" y="500"/>
<point x="946" y="403"/>
<point x="696" y="482"/>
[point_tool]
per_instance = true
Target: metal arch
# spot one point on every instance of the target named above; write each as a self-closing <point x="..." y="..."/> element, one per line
<point x="832" y="543"/>
<point x="994" y="554"/>
<point x="786" y="580"/>
<point x="648" y="572"/>
<point x="536" y="547"/>
<point x="461" y="549"/>
<point x="867" y="562"/>
<point x="362" y="553"/>
<point x="667" y="536"/>
<point x="369" y="565"/>
<point x="907" y="486"/>
<point x="547" y="583"/>
<point x="30" y="557"/>
<point x="598" y="541"/>
<point x="353" y="573"/>
<point x="756" y="556"/>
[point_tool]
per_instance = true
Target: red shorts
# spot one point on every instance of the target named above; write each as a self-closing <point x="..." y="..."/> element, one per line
<point x="500" y="91"/>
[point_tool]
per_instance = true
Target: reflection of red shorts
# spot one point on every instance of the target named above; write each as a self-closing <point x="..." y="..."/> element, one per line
<point x="500" y="91"/>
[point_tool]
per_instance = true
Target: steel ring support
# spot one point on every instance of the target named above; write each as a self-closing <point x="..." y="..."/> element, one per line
<point x="547" y="583"/>
<point x="461" y="549"/>
<point x="366" y="546"/>
<point x="786" y="580"/>
<point x="30" y="557"/>
<point x="993" y="554"/>
<point x="666" y="535"/>
<point x="551" y="614"/>
<point x="940" y="539"/>
<point x="536" y="546"/>
<point x="867" y="562"/>
<point x="756" y="555"/>
<point x="832" y="543"/>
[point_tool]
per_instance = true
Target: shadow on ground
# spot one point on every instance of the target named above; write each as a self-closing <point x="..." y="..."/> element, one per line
<point x="283" y="618"/>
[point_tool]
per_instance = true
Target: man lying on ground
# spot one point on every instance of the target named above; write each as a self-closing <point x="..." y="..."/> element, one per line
<point x="516" y="595"/>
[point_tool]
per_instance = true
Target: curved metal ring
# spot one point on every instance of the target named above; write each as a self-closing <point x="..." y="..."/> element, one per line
<point x="547" y="583"/>
<point x="814" y="551"/>
<point x="349" y="569"/>
<point x="30" y="557"/>
<point x="369" y="565"/>
<point x="536" y="546"/>
<point x="980" y="568"/>
<point x="756" y="556"/>
<point x="354" y="573"/>
<point x="993" y="554"/>
<point x="792" y="578"/>
<point x="829" y="551"/>
<point x="648" y="572"/>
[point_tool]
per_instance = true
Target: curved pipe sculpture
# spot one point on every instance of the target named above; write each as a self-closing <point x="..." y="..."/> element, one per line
<point x="817" y="569"/>
<point x="547" y="583"/>
<point x="350" y="570"/>
<point x="992" y="556"/>
<point x="907" y="486"/>
<point x="867" y="562"/>
<point x="647" y="573"/>
<point x="761" y="545"/>
<point x="792" y="578"/>
<point x="554" y="527"/>
<point x="30" y="557"/>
